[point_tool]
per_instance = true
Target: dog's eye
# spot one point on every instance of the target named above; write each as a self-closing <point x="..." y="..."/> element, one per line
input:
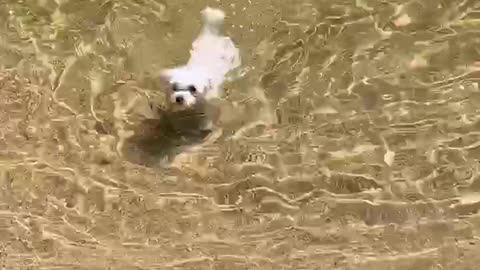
<point x="192" y="88"/>
<point x="174" y="87"/>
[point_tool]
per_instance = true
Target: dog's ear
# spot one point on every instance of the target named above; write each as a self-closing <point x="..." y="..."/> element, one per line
<point x="166" y="74"/>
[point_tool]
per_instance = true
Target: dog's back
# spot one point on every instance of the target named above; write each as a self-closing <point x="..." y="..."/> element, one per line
<point x="215" y="53"/>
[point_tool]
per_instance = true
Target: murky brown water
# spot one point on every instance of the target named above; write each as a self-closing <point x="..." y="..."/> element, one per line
<point x="351" y="142"/>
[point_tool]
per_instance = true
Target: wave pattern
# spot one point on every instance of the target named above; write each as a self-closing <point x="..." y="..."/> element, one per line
<point x="350" y="142"/>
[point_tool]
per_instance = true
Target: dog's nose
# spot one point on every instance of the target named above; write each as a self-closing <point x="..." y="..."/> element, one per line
<point x="179" y="99"/>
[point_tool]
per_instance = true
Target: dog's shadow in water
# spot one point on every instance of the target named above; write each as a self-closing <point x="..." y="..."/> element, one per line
<point x="156" y="141"/>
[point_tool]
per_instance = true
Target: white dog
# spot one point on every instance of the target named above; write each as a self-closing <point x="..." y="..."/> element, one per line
<point x="212" y="56"/>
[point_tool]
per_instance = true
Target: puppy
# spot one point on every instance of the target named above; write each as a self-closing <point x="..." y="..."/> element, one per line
<point x="212" y="56"/>
<point x="187" y="120"/>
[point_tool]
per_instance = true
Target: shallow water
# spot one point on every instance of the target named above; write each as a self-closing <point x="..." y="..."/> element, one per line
<point x="350" y="142"/>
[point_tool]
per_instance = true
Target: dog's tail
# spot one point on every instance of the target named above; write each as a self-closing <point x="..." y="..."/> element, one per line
<point x="212" y="19"/>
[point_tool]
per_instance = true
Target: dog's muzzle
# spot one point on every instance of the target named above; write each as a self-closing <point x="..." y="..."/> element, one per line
<point x="183" y="99"/>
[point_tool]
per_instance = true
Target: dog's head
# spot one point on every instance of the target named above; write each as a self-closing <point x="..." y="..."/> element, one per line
<point x="187" y="88"/>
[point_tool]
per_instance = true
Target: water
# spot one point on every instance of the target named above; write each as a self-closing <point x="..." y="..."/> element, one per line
<point x="350" y="142"/>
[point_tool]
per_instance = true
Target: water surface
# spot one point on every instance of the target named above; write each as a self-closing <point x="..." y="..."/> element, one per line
<point x="350" y="142"/>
